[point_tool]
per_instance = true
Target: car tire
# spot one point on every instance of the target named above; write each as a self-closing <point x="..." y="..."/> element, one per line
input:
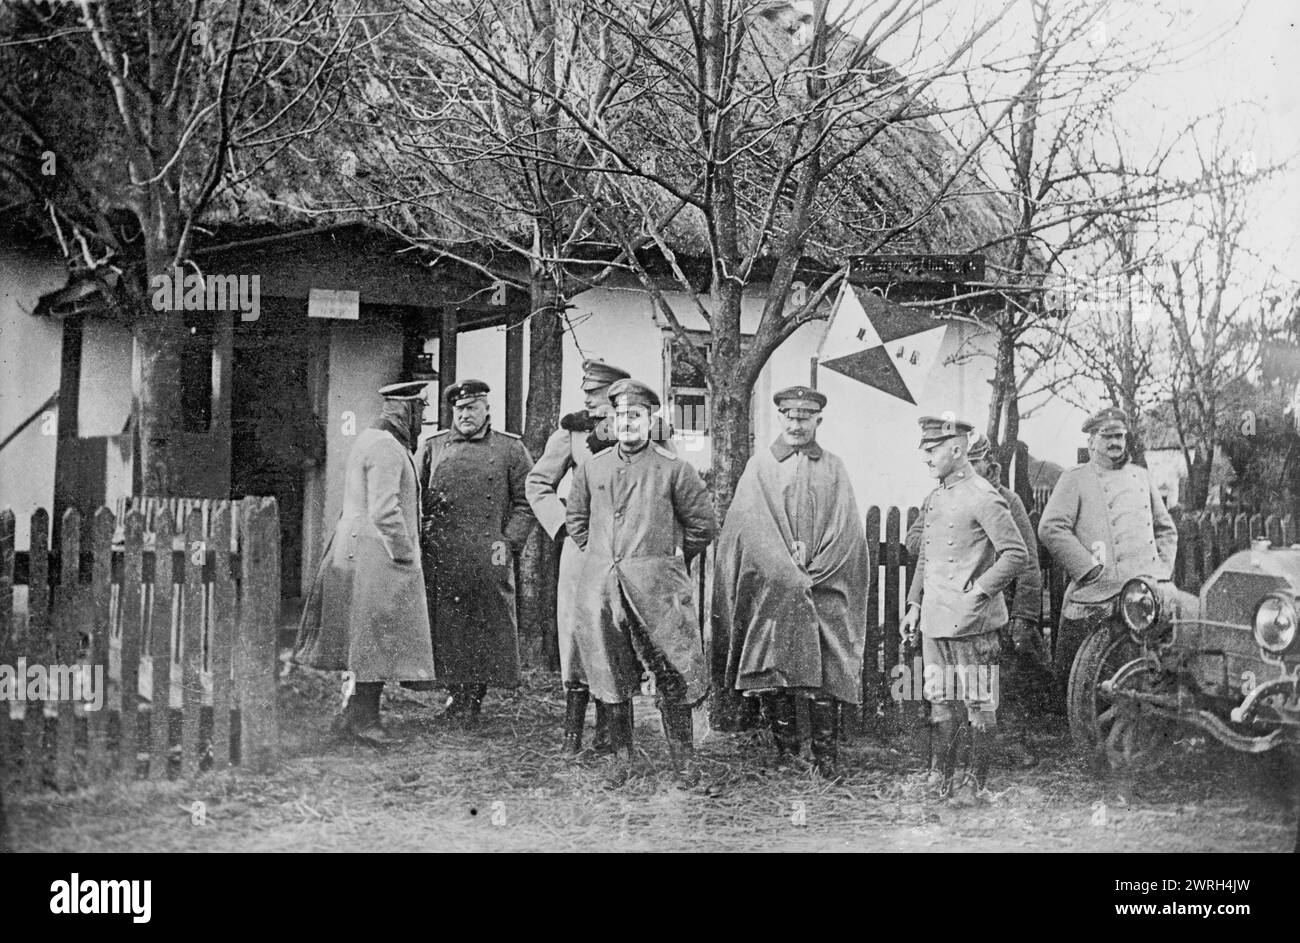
<point x="1121" y="738"/>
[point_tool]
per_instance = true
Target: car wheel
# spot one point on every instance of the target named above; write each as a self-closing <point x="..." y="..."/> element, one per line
<point x="1123" y="733"/>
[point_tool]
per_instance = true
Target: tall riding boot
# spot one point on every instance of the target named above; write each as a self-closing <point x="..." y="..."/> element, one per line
<point x="982" y="741"/>
<point x="474" y="702"/>
<point x="362" y="714"/>
<point x="943" y="757"/>
<point x="824" y="718"/>
<point x="575" y="715"/>
<point x="620" y="742"/>
<point x="600" y="743"/>
<point x="780" y="709"/>
<point x="679" y="731"/>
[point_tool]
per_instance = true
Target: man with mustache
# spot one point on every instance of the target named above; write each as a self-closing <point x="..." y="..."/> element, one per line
<point x="630" y="509"/>
<point x="1105" y="523"/>
<point x="476" y="519"/>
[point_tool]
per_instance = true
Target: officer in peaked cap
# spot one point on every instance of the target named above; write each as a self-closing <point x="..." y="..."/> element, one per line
<point x="366" y="611"/>
<point x="970" y="552"/>
<point x="934" y="429"/>
<point x="631" y="508"/>
<point x="1107" y="420"/>
<point x="1105" y="523"/>
<point x="629" y="392"/>
<point x="596" y="375"/>
<point x="799" y="401"/>
<point x="1025" y="677"/>
<point x="475" y="520"/>
<point x="803" y="635"/>
<point x="581" y="435"/>
<point x="461" y="394"/>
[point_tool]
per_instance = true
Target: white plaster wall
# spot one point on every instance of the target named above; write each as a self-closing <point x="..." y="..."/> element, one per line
<point x="875" y="433"/>
<point x="363" y="356"/>
<point x="30" y="351"/>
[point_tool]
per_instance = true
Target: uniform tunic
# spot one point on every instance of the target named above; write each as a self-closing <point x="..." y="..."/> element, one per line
<point x="791" y="578"/>
<point x="970" y="541"/>
<point x="1111" y="516"/>
<point x="1027" y="600"/>
<point x="476" y="518"/>
<point x="366" y="609"/>
<point x="634" y="602"/>
<point x="565" y="451"/>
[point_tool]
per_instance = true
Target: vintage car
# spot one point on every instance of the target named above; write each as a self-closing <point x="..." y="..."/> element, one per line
<point x="1226" y="662"/>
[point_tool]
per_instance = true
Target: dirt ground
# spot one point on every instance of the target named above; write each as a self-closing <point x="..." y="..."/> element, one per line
<point x="504" y="787"/>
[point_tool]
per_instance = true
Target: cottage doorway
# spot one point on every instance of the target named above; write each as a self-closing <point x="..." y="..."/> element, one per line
<point x="276" y="438"/>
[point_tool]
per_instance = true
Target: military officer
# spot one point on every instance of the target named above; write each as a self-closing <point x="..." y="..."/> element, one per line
<point x="1026" y="683"/>
<point x="1105" y="523"/>
<point x="580" y="436"/>
<point x="630" y="509"/>
<point x="365" y="612"/>
<point x="790" y="584"/>
<point x="970" y="552"/>
<point x="475" y="520"/>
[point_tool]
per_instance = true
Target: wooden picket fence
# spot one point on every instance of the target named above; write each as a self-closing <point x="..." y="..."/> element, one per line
<point x="187" y="677"/>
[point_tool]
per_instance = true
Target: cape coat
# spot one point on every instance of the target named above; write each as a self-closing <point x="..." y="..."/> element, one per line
<point x="635" y="603"/>
<point x="790" y="584"/>
<point x="475" y="520"/>
<point x="365" y="612"/>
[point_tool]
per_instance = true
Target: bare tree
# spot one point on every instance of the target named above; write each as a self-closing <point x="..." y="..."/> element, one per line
<point x="125" y="121"/>
<point x="1214" y="296"/>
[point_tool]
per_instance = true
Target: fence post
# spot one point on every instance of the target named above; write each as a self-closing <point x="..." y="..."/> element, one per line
<point x="35" y="644"/>
<point x="161" y="649"/>
<point x="872" y="693"/>
<point x="131" y="618"/>
<point x="101" y="592"/>
<point x="223" y="632"/>
<point x="195" y="555"/>
<point x="6" y="654"/>
<point x="256" y="657"/>
<point x="66" y="641"/>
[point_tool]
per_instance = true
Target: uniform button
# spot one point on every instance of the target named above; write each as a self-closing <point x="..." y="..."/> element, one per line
<point x="950" y="524"/>
<point x="950" y="543"/>
<point x="950" y="560"/>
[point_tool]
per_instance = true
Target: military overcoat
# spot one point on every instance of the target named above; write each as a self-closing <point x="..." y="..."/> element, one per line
<point x="631" y="514"/>
<point x="366" y="609"/>
<point x="475" y="520"/>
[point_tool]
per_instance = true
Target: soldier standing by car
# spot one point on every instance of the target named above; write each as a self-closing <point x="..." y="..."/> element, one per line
<point x="970" y="552"/>
<point x="630" y="509"/>
<point x="1104" y="523"/>
<point x="580" y="436"/>
<point x="366" y="613"/>
<point x="476" y="519"/>
<point x="790" y="584"/>
<point x="1027" y="683"/>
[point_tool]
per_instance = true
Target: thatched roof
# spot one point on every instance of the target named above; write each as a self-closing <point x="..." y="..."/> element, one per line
<point x="394" y="152"/>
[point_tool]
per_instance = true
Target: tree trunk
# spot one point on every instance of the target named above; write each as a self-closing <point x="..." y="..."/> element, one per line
<point x="537" y="571"/>
<point x="159" y="341"/>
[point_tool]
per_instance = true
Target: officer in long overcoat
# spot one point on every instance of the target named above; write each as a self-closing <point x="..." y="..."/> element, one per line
<point x="631" y="509"/>
<point x="1105" y="523"/>
<point x="365" y="613"/>
<point x="580" y="436"/>
<point x="476" y="519"/>
<point x="970" y="552"/>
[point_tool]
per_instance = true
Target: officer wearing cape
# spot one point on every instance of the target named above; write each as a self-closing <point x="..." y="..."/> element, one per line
<point x="790" y="588"/>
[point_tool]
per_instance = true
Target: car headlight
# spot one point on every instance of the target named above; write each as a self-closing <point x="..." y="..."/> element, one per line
<point x="1275" y="623"/>
<point x="1139" y="608"/>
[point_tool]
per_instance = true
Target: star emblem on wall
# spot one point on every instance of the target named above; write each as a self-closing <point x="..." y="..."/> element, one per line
<point x="880" y="343"/>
